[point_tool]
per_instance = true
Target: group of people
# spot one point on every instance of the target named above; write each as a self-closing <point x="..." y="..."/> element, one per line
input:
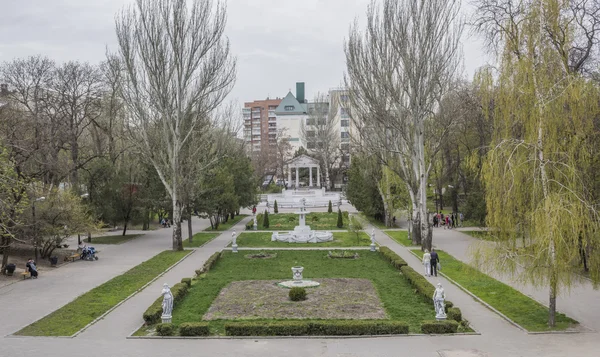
<point x="448" y="221"/>
<point x="431" y="261"/>
<point x="165" y="223"/>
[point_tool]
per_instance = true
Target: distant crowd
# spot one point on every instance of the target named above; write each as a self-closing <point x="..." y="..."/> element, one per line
<point x="448" y="221"/>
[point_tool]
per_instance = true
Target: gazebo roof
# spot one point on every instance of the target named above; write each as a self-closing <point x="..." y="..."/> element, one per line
<point x="302" y="161"/>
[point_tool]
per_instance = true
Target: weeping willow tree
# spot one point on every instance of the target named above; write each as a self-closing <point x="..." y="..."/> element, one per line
<point x="536" y="194"/>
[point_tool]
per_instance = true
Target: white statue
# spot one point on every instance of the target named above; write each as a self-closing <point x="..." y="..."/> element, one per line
<point x="438" y="302"/>
<point x="167" y="304"/>
<point x="233" y="237"/>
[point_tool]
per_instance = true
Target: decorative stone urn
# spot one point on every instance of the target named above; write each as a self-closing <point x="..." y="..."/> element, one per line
<point x="297" y="274"/>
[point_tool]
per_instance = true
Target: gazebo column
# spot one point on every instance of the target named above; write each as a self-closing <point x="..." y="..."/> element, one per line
<point x="297" y="178"/>
<point x="318" y="176"/>
<point x="289" y="176"/>
<point x="310" y="181"/>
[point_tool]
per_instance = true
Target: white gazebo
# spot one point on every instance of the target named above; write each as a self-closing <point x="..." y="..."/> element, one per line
<point x="301" y="162"/>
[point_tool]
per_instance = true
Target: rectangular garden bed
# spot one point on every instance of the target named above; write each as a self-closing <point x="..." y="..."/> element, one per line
<point x="263" y="239"/>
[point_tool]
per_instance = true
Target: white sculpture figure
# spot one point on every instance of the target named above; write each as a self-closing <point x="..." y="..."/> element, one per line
<point x="438" y="302"/>
<point x="234" y="245"/>
<point x="167" y="304"/>
<point x="373" y="246"/>
<point x="255" y="223"/>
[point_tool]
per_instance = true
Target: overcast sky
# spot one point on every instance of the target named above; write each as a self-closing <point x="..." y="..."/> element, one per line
<point x="277" y="42"/>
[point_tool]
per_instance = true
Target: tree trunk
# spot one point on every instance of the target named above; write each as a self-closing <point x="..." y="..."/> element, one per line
<point x="177" y="210"/>
<point x="89" y="237"/>
<point x="5" y="254"/>
<point x="416" y="228"/>
<point x="125" y="228"/>
<point x="552" y="304"/>
<point x="189" y="222"/>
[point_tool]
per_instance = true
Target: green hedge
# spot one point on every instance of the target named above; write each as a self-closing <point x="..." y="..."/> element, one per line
<point x="392" y="257"/>
<point x="194" y="329"/>
<point x="165" y="329"/>
<point x="315" y="328"/>
<point x="154" y="312"/>
<point x="435" y="327"/>
<point x="418" y="281"/>
<point x="454" y="313"/>
<point x="209" y="263"/>
<point x="250" y="225"/>
<point x="187" y="281"/>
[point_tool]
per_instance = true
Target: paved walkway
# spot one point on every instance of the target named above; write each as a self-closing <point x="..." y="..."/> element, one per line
<point x="23" y="303"/>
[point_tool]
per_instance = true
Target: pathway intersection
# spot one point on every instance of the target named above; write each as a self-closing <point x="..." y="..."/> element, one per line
<point x="25" y="302"/>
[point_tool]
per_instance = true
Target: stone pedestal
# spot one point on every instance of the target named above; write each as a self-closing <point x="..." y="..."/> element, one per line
<point x="373" y="247"/>
<point x="234" y="248"/>
<point x="166" y="319"/>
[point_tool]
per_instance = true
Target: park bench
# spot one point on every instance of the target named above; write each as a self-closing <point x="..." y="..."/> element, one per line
<point x="26" y="275"/>
<point x="75" y="256"/>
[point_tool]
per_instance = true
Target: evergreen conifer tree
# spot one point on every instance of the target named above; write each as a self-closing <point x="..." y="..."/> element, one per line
<point x="329" y="209"/>
<point x="340" y="221"/>
<point x="266" y="219"/>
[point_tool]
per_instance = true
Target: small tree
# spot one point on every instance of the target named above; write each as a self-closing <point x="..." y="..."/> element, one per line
<point x="354" y="226"/>
<point x="329" y="209"/>
<point x="275" y="209"/>
<point x="266" y="219"/>
<point x="340" y="221"/>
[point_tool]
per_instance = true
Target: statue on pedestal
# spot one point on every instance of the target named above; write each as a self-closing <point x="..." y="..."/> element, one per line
<point x="167" y="304"/>
<point x="438" y="302"/>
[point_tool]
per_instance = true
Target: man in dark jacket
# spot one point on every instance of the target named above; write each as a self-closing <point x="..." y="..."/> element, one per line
<point x="434" y="262"/>
<point x="31" y="268"/>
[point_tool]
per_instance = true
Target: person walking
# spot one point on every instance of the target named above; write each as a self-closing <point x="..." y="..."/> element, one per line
<point x="427" y="262"/>
<point x="434" y="262"/>
<point x="462" y="218"/>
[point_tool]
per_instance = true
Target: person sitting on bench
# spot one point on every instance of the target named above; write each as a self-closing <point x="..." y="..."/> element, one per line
<point x="31" y="268"/>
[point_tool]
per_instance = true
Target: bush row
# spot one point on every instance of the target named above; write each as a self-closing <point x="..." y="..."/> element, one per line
<point x="418" y="281"/>
<point x="315" y="328"/>
<point x="445" y="326"/>
<point x="454" y="313"/>
<point x="392" y="257"/>
<point x="210" y="262"/>
<point x="154" y="312"/>
<point x="194" y="329"/>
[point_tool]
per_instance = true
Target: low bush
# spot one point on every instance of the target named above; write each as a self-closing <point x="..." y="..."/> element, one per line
<point x="392" y="257"/>
<point x="187" y="281"/>
<point x="165" y="329"/>
<point x="209" y="263"/>
<point x="455" y="314"/>
<point x="344" y="254"/>
<point x="250" y="225"/>
<point x="194" y="329"/>
<point x="297" y="294"/>
<point x="153" y="314"/>
<point x="315" y="328"/>
<point x="315" y="218"/>
<point x="447" y="305"/>
<point x="436" y="327"/>
<point x="423" y="287"/>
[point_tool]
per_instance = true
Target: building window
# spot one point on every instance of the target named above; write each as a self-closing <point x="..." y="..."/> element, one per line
<point x="345" y="134"/>
<point x="344" y="112"/>
<point x="345" y="123"/>
<point x="289" y="108"/>
<point x="310" y="145"/>
<point x="322" y="121"/>
<point x="345" y="147"/>
<point x="310" y="134"/>
<point x="310" y="121"/>
<point x="344" y="98"/>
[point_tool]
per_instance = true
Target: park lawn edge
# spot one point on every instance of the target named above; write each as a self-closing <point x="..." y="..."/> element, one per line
<point x="404" y="243"/>
<point x="229" y="224"/>
<point x="76" y="319"/>
<point x="200" y="234"/>
<point x="501" y="302"/>
<point x="119" y="239"/>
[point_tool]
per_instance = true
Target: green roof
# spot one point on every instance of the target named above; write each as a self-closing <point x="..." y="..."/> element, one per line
<point x="290" y="106"/>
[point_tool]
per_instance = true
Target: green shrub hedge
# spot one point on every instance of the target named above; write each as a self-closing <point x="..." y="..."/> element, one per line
<point x="297" y="294"/>
<point x="165" y="329"/>
<point x="435" y="327"/>
<point x="194" y="329"/>
<point x="418" y="281"/>
<point x="454" y="313"/>
<point x="154" y="312"/>
<point x="315" y="328"/>
<point x="187" y="281"/>
<point x="392" y="257"/>
<point x="209" y="263"/>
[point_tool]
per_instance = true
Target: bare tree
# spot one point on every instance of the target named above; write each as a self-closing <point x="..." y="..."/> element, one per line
<point x="321" y="133"/>
<point x="178" y="70"/>
<point x="397" y="73"/>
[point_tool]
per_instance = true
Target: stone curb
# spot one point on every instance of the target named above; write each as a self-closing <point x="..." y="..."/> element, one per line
<point x="290" y="337"/>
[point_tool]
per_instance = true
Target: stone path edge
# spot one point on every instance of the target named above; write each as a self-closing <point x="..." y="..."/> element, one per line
<point x="291" y="337"/>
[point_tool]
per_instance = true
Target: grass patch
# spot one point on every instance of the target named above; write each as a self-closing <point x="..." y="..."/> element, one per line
<point x="223" y="226"/>
<point x="374" y="221"/>
<point x="116" y="239"/>
<point x="320" y="221"/>
<point x="86" y="308"/>
<point x="398" y="296"/>
<point x="263" y="240"/>
<point x="520" y="308"/>
<point x="200" y="239"/>
<point x="400" y="237"/>
<point x="485" y="235"/>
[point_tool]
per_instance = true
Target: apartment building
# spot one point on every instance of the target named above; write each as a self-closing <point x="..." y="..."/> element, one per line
<point x="260" y="122"/>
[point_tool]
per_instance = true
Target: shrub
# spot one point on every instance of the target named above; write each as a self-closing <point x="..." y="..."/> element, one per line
<point x="448" y="304"/>
<point x="392" y="257"/>
<point x="187" y="281"/>
<point x="250" y="225"/>
<point x="340" y="220"/>
<point x="315" y="328"/>
<point x="435" y="327"/>
<point x="455" y="314"/>
<point x="292" y="219"/>
<point x="342" y="254"/>
<point x="265" y="221"/>
<point x="209" y="263"/>
<point x="297" y="294"/>
<point x="165" y="329"/>
<point x="194" y="329"/>
<point x="423" y="287"/>
<point x="315" y="218"/>
<point x="153" y="314"/>
<point x="329" y="208"/>
<point x="275" y="208"/>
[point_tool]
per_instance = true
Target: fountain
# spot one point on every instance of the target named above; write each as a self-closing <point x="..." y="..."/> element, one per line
<point x="298" y="281"/>
<point x="302" y="233"/>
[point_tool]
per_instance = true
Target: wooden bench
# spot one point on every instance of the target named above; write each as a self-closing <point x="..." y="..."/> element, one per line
<point x="75" y="256"/>
<point x="26" y="275"/>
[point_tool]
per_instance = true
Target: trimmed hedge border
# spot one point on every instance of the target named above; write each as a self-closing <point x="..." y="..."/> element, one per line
<point x="153" y="314"/>
<point x="187" y="281"/>
<point x="194" y="329"/>
<point x="316" y="328"/>
<point x="439" y="327"/>
<point x="418" y="281"/>
<point x="455" y="314"/>
<point x="209" y="263"/>
<point x="392" y="257"/>
<point x="165" y="329"/>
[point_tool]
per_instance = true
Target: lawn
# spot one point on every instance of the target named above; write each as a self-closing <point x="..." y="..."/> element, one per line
<point x="200" y="239"/>
<point x="223" y="226"/>
<point x="400" y="237"/>
<point x="480" y="234"/>
<point x="74" y="316"/>
<point x="375" y="222"/>
<point x="399" y="299"/>
<point x="116" y="239"/>
<point x="520" y="308"/>
<point x="263" y="239"/>
<point x="321" y="221"/>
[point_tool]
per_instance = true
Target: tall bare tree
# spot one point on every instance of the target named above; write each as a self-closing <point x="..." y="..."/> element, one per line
<point x="178" y="70"/>
<point x="397" y="72"/>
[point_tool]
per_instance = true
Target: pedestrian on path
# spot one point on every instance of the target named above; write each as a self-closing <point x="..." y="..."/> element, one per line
<point x="427" y="262"/>
<point x="434" y="262"/>
<point x="462" y="218"/>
